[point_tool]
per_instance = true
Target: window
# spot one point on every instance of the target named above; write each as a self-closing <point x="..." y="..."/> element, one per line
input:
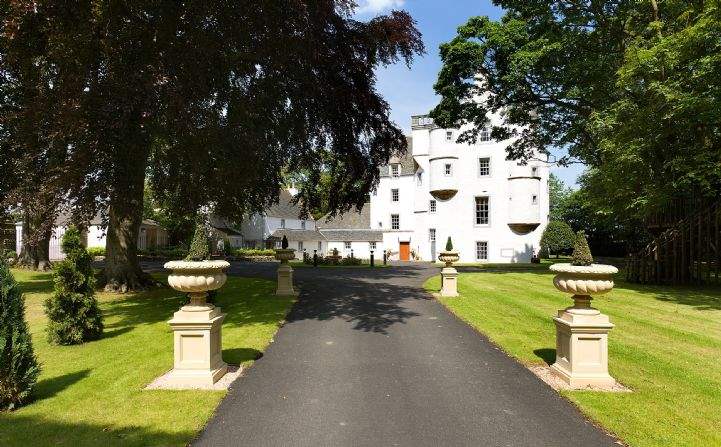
<point x="395" y="222"/>
<point x="449" y="136"/>
<point x="448" y="169"/>
<point x="534" y="171"/>
<point x="278" y="244"/>
<point x="320" y="246"/>
<point x="481" y="210"/>
<point x="371" y="245"/>
<point x="432" y="206"/>
<point x="534" y="200"/>
<point x="394" y="195"/>
<point x="481" y="251"/>
<point x="380" y="224"/>
<point x="395" y="170"/>
<point x="375" y="192"/>
<point x="419" y="178"/>
<point x="347" y="245"/>
<point x="485" y="135"/>
<point x="300" y="245"/>
<point x="302" y="225"/>
<point x="432" y="234"/>
<point x="282" y="223"/>
<point x="484" y="166"/>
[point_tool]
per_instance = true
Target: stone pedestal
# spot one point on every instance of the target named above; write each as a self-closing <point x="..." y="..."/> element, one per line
<point x="197" y="338"/>
<point x="449" y="282"/>
<point x="285" y="281"/>
<point x="582" y="345"/>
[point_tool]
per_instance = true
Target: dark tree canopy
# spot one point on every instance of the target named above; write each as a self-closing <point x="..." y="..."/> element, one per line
<point x="214" y="100"/>
<point x="630" y="88"/>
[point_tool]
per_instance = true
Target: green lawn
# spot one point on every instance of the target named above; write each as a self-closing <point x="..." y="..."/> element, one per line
<point x="92" y="394"/>
<point x="666" y="346"/>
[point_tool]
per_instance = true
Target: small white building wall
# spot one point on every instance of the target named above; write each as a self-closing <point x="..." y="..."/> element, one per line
<point x="361" y="249"/>
<point x="275" y="223"/>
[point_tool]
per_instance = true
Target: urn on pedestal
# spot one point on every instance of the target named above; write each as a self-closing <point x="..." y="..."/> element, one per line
<point x="581" y="330"/>
<point x="449" y="275"/>
<point x="285" y="271"/>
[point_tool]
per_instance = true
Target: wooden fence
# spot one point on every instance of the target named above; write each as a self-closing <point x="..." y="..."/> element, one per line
<point x="689" y="252"/>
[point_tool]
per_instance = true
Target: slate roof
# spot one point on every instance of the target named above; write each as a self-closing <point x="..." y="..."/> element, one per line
<point x="298" y="235"/>
<point x="353" y="235"/>
<point x="351" y="226"/>
<point x="223" y="225"/>
<point x="408" y="165"/>
<point x="285" y="209"/>
<point x="350" y="220"/>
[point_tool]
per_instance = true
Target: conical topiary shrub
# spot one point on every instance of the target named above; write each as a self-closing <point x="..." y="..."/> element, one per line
<point x="18" y="365"/>
<point x="449" y="244"/>
<point x="581" y="252"/>
<point x="284" y="242"/>
<point x="73" y="313"/>
<point x="199" y="249"/>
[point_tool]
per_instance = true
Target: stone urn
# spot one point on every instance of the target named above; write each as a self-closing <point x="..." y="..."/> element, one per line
<point x="581" y="330"/>
<point x="285" y="272"/>
<point x="197" y="325"/>
<point x="449" y="275"/>
<point x="449" y="257"/>
<point x="581" y="281"/>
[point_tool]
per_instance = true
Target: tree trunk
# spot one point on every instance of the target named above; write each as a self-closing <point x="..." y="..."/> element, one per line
<point x="122" y="271"/>
<point x="35" y="250"/>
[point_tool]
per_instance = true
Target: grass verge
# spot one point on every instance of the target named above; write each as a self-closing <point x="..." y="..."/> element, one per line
<point x="666" y="346"/>
<point x="92" y="394"/>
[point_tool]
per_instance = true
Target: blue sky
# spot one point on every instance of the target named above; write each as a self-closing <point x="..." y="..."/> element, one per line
<point x="410" y="91"/>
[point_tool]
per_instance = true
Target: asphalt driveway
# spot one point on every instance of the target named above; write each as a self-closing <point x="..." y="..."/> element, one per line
<point x="368" y="358"/>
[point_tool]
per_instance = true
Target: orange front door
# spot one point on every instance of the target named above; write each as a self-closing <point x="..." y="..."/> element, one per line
<point x="405" y="251"/>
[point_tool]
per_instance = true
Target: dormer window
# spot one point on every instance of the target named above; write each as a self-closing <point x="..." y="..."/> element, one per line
<point x="449" y="169"/>
<point x="449" y="136"/>
<point x="485" y="135"/>
<point x="395" y="170"/>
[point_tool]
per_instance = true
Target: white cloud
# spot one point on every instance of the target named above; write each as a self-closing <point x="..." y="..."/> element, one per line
<point x="376" y="6"/>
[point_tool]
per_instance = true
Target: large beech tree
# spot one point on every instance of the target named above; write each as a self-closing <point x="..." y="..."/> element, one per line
<point x="213" y="100"/>
<point x="630" y="88"/>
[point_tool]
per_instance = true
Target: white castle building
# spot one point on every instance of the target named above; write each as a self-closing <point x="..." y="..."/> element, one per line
<point x="494" y="209"/>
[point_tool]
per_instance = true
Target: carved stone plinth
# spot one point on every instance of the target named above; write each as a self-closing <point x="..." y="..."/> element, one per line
<point x="582" y="348"/>
<point x="285" y="281"/>
<point x="197" y="339"/>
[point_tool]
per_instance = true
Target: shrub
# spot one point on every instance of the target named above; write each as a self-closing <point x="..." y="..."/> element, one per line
<point x="73" y="313"/>
<point x="351" y="261"/>
<point x="581" y="251"/>
<point x="557" y="237"/>
<point x="200" y="246"/>
<point x="96" y="251"/>
<point x="449" y="244"/>
<point x="249" y="252"/>
<point x="18" y="365"/>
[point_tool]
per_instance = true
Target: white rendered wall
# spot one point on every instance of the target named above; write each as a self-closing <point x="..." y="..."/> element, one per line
<point x="360" y="249"/>
<point x="510" y="201"/>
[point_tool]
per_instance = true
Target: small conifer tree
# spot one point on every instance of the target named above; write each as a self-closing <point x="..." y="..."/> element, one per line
<point x="72" y="310"/>
<point x="18" y="365"/>
<point x="581" y="251"/>
<point x="449" y="244"/>
<point x="284" y="242"/>
<point x="199" y="250"/>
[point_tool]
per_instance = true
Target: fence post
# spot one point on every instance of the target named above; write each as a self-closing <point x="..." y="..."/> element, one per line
<point x="385" y="260"/>
<point x="315" y="258"/>
<point x="372" y="263"/>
